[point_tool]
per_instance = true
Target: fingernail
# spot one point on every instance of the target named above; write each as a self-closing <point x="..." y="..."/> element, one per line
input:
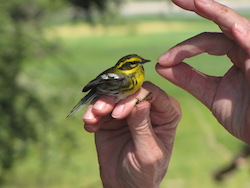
<point x="117" y="111"/>
<point x="88" y="116"/>
<point x="206" y="1"/>
<point x="100" y="105"/>
<point x="239" y="28"/>
<point x="163" y="58"/>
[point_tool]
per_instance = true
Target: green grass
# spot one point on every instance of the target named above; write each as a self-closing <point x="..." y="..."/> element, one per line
<point x="66" y="156"/>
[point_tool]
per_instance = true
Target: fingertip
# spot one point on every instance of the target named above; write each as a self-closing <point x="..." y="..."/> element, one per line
<point x="179" y="74"/>
<point x="158" y="66"/>
<point x="161" y="70"/>
<point x="91" y="121"/>
<point x="89" y="117"/>
<point x="139" y="120"/>
<point x="104" y="105"/>
<point x="99" y="106"/>
<point x="139" y="114"/>
<point x="162" y="60"/>
<point x="187" y="5"/>
<point x="172" y="57"/>
<point x="88" y="113"/>
<point x="166" y="72"/>
<point x="118" y="110"/>
<point x="123" y="108"/>
<point x="90" y="128"/>
<point x="102" y="108"/>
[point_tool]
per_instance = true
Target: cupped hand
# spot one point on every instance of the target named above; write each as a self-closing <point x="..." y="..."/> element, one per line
<point x="134" y="141"/>
<point x="228" y="97"/>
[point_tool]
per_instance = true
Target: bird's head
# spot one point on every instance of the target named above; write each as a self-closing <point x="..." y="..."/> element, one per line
<point x="131" y="61"/>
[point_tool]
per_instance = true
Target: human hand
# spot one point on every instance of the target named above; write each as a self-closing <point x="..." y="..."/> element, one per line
<point x="134" y="141"/>
<point x="228" y="97"/>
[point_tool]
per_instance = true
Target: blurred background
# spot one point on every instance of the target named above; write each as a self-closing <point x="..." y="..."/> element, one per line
<point x="49" y="49"/>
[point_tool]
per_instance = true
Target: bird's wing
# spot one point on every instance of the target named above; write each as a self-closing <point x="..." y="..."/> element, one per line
<point x="89" y="97"/>
<point x="105" y="77"/>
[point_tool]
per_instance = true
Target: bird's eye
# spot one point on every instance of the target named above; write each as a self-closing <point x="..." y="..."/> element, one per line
<point x="133" y="62"/>
<point x="129" y="65"/>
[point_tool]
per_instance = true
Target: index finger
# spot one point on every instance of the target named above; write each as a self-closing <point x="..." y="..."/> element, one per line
<point x="222" y="15"/>
<point x="212" y="43"/>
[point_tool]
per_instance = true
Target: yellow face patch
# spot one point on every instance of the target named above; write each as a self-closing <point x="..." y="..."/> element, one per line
<point x="136" y="59"/>
<point x="132" y="61"/>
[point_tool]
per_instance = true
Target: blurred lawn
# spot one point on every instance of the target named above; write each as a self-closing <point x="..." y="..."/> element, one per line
<point x="69" y="159"/>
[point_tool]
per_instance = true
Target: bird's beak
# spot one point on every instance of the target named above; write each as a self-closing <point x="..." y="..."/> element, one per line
<point x="145" y="61"/>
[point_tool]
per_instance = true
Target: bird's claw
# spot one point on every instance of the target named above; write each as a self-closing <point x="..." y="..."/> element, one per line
<point x="147" y="98"/>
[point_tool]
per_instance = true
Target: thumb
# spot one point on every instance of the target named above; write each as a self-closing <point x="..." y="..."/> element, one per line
<point x="141" y="129"/>
<point x="139" y="120"/>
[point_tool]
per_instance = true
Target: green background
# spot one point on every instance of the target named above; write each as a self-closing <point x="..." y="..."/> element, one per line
<point x="66" y="155"/>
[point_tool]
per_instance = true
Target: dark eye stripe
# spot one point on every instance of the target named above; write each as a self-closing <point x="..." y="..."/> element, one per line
<point x="128" y="65"/>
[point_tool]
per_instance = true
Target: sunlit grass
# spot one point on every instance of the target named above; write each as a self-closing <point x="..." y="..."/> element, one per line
<point x="130" y="27"/>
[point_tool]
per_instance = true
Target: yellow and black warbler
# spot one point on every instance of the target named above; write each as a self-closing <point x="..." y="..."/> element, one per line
<point x="121" y="80"/>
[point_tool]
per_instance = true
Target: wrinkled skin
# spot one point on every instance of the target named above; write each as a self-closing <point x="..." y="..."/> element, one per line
<point x="228" y="97"/>
<point x="134" y="141"/>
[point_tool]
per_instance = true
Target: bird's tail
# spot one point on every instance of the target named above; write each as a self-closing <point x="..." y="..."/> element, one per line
<point x="87" y="98"/>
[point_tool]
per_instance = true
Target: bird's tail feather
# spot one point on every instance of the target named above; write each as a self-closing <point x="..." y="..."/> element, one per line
<point x="87" y="98"/>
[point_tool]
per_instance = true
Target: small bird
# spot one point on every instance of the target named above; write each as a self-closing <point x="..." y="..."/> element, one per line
<point x="121" y="80"/>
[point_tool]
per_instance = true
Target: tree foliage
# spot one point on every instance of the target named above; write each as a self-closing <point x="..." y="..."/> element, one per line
<point x="20" y="30"/>
<point x="89" y="7"/>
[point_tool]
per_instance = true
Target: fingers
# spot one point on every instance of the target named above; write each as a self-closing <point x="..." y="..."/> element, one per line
<point x="153" y="124"/>
<point x="185" y="4"/>
<point x="143" y="135"/>
<point x="242" y="36"/>
<point x="163" y="106"/>
<point x="211" y="43"/>
<point x="103" y="106"/>
<point x="159" y="101"/>
<point x="223" y="16"/>
<point x="165" y="115"/>
<point x="125" y="106"/>
<point x="139" y="121"/>
<point x="107" y="106"/>
<point x="200" y="85"/>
